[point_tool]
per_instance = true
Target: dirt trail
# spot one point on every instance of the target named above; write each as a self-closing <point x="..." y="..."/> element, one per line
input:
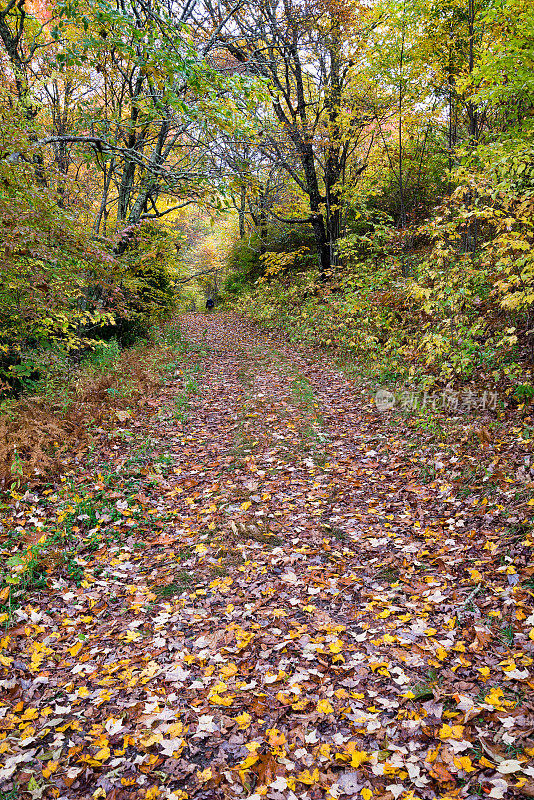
<point x="287" y="613"/>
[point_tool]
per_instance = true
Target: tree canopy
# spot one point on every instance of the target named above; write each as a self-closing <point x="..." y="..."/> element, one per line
<point x="365" y="146"/>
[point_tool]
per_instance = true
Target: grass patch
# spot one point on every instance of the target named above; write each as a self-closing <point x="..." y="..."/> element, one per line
<point x="220" y="571"/>
<point x="389" y="574"/>
<point x="183" y="579"/>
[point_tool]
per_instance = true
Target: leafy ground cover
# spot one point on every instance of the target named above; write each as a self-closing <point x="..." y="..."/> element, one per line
<point x="251" y="588"/>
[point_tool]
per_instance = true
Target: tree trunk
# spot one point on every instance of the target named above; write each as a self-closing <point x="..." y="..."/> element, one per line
<point x="470" y="238"/>
<point x="318" y="223"/>
<point x="241" y="212"/>
<point x="108" y="174"/>
<point x="402" y="202"/>
<point x="135" y="142"/>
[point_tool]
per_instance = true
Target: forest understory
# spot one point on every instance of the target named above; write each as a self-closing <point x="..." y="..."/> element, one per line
<point x="254" y="583"/>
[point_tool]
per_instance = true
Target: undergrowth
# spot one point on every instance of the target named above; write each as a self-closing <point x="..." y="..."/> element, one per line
<point x="58" y="415"/>
<point x="372" y="318"/>
<point x="73" y="515"/>
<point x="465" y="414"/>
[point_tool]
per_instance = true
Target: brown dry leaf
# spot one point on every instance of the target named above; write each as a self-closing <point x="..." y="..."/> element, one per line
<point x="483" y="637"/>
<point x="198" y="637"/>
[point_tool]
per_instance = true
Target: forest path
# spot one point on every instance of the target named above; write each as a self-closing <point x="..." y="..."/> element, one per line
<point x="285" y="612"/>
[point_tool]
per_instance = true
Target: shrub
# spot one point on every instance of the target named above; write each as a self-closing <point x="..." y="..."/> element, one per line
<point x="244" y="264"/>
<point x="275" y="250"/>
<point x="147" y="269"/>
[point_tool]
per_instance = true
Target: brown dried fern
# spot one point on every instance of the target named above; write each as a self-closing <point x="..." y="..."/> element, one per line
<point x="37" y="433"/>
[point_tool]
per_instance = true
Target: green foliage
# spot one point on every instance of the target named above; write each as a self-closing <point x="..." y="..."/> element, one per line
<point x="244" y="265"/>
<point x="60" y="291"/>
<point x="447" y="322"/>
<point x="524" y="393"/>
<point x="51" y="271"/>
<point x="445" y="293"/>
<point x="147" y="270"/>
<point x="104" y="355"/>
<point x="267" y="253"/>
<point x="60" y="286"/>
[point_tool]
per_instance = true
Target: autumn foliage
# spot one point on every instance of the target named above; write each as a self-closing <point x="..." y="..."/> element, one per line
<point x="281" y="550"/>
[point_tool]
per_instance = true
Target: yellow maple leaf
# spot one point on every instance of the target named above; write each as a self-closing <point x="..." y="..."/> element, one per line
<point x="378" y="665"/>
<point x="221" y="700"/>
<point x="284" y="698"/>
<point x="243" y="638"/>
<point x="246" y="505"/>
<point x="228" y="670"/>
<point x="50" y="768"/>
<point x="324" y="707"/>
<point x="495" y="697"/>
<point x="243" y="720"/>
<point x="275" y="737"/>
<point x="464" y="762"/>
<point x="484" y="672"/>
<point x="132" y="636"/>
<point x="248" y="762"/>
<point x="451" y="732"/>
<point x="103" y="754"/>
<point x="366" y="793"/>
<point x="336" y="647"/>
<point x="358" y="757"/>
<point x="308" y="777"/>
<point x="150" y="739"/>
<point x="75" y="649"/>
<point x="432" y="754"/>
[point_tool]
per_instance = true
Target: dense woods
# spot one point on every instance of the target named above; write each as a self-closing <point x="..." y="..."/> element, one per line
<point x="396" y="155"/>
<point x="378" y="159"/>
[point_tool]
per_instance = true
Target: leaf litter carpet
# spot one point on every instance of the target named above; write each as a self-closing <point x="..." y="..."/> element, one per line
<point x="284" y="611"/>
